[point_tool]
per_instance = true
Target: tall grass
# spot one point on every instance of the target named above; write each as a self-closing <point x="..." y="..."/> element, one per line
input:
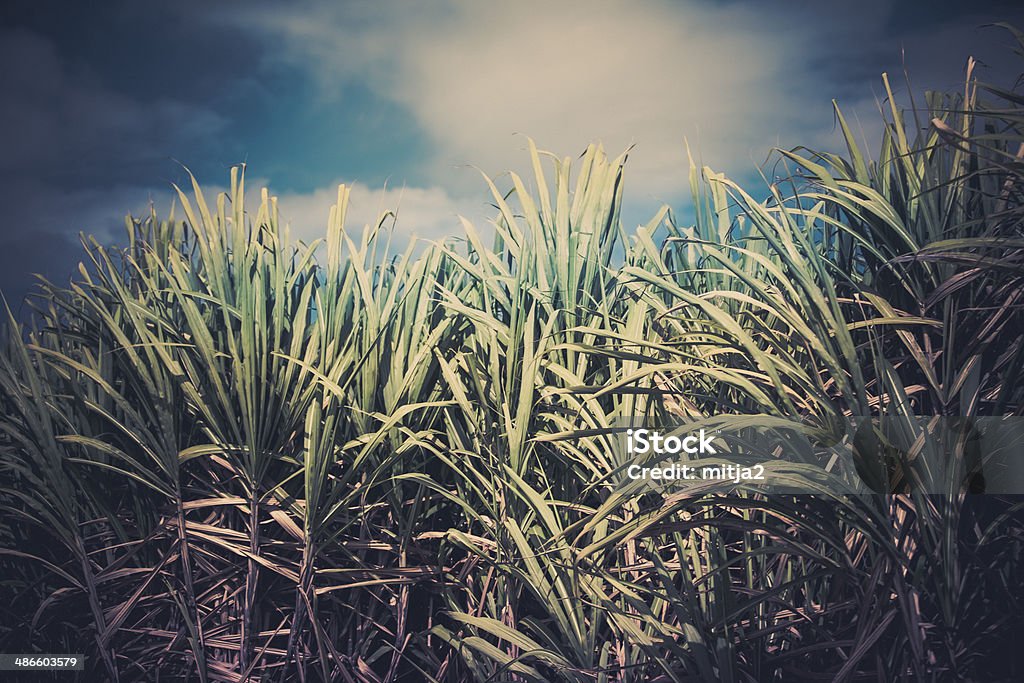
<point x="227" y="455"/>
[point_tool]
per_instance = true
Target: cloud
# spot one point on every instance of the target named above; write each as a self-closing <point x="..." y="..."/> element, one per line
<point x="731" y="79"/>
<point x="42" y="223"/>
<point x="58" y="120"/>
<point x="734" y="79"/>
<point x="84" y="139"/>
<point x="429" y="213"/>
<point x="76" y="157"/>
<point x="567" y="76"/>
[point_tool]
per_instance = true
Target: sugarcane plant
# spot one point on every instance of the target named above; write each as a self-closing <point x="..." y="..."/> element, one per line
<point x="228" y="455"/>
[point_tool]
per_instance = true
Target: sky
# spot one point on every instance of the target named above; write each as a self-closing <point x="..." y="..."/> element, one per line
<point x="104" y="105"/>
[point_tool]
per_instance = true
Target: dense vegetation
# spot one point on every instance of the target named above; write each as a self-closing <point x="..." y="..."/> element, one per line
<point x="228" y="455"/>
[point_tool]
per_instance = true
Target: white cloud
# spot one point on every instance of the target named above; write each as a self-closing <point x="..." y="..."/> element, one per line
<point x="429" y="213"/>
<point x="733" y="80"/>
<point x="568" y="76"/>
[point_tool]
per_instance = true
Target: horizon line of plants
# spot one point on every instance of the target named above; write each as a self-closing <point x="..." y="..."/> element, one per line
<point x="228" y="456"/>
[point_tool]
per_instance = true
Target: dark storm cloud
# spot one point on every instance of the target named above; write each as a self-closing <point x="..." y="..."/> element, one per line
<point x="76" y="155"/>
<point x="30" y="253"/>
<point x="58" y="121"/>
